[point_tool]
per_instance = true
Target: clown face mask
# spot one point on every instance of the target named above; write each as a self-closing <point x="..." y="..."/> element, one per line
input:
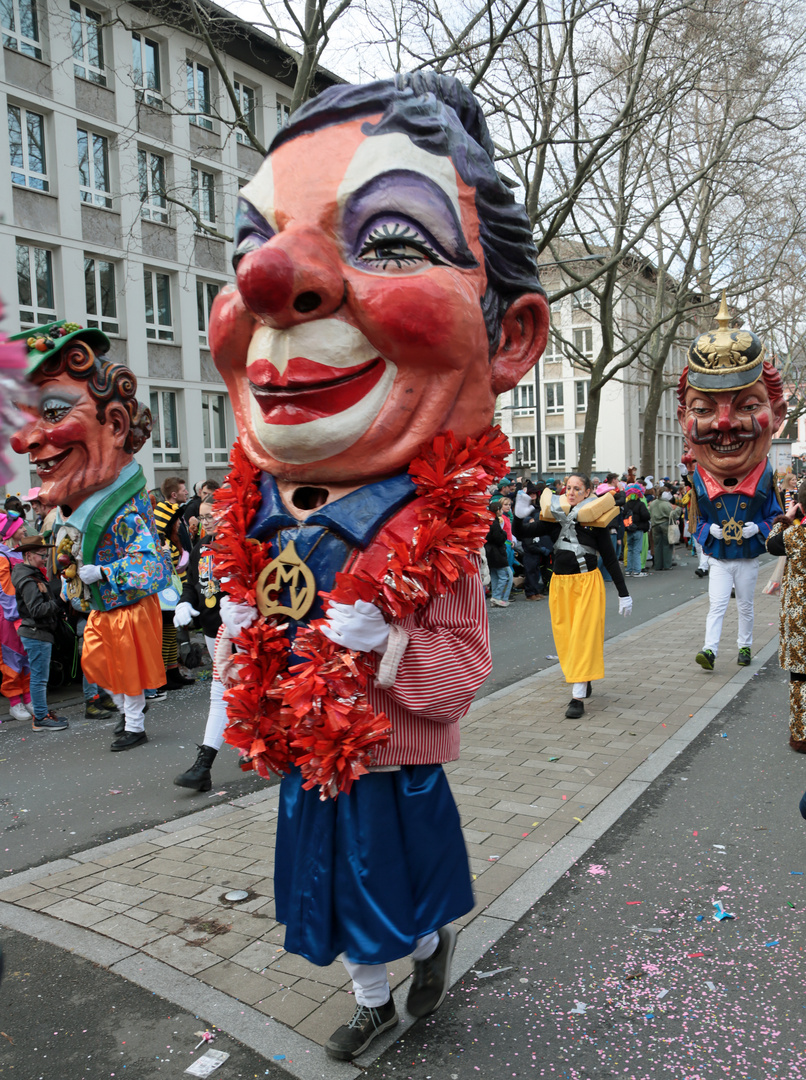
<point x="356" y="330"/>
<point x="730" y="432"/>
<point x="74" y="454"/>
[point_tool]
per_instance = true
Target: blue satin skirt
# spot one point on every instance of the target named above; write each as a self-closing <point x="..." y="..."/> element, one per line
<point x="369" y="873"/>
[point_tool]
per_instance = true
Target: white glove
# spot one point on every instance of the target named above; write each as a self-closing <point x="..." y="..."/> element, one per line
<point x="359" y="626"/>
<point x="716" y="531"/>
<point x="237" y="617"/>
<point x="90" y="573"/>
<point x="625" y="605"/>
<point x="184" y="615"/>
<point x="748" y="530"/>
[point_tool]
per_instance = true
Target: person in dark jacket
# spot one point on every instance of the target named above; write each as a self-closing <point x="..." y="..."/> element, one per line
<point x="495" y="546"/>
<point x="526" y="509"/>
<point x="39" y="610"/>
<point x="577" y="593"/>
<point x="201" y="598"/>
<point x="636" y="526"/>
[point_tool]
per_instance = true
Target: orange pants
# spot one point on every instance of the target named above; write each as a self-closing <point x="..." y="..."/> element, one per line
<point x="123" y="648"/>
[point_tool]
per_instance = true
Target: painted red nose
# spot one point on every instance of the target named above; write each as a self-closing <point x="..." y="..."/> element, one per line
<point x="266" y="280"/>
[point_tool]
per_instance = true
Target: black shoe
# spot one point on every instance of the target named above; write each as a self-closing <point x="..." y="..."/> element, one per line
<point x="105" y="701"/>
<point x="575" y="709"/>
<point x="700" y="572"/>
<point x="589" y="690"/>
<point x="129" y="739"/>
<point x="177" y="681"/>
<point x="198" y="775"/>
<point x="745" y="656"/>
<point x="160" y="694"/>
<point x="432" y="976"/>
<point x="93" y="710"/>
<point x="352" y="1039"/>
<point x="706" y="659"/>
<point x="120" y="726"/>
<point x="49" y="723"/>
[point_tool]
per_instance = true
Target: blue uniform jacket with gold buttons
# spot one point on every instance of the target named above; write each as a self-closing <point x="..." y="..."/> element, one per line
<point x="733" y="510"/>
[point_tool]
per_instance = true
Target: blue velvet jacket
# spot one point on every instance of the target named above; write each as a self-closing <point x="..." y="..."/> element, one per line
<point x="732" y="511"/>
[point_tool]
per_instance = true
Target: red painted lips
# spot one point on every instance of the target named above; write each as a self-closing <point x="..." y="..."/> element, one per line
<point x="307" y="390"/>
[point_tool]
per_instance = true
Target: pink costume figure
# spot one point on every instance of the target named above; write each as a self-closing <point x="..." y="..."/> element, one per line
<point x="387" y="291"/>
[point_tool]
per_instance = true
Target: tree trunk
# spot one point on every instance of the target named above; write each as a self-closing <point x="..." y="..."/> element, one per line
<point x="588" y="447"/>
<point x="649" y="445"/>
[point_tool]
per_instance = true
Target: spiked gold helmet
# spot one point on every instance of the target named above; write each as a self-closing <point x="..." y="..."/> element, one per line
<point x="725" y="359"/>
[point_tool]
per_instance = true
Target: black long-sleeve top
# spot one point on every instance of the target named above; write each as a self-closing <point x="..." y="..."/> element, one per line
<point x="566" y="563"/>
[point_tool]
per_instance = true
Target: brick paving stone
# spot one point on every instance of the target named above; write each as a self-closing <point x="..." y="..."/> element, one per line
<point x="126" y="875"/>
<point x="237" y="981"/>
<point x="258" y="955"/>
<point x="64" y="877"/>
<point x="176" y="886"/>
<point x="181" y="955"/>
<point x="115" y="890"/>
<point x="224" y="879"/>
<point x="206" y="858"/>
<point x="129" y="931"/>
<point x="287" y="1006"/>
<point x="162" y="864"/>
<point x="127" y="855"/>
<point x="180" y="906"/>
<point x="11" y="896"/>
<point x="227" y="945"/>
<point x="322" y="1022"/>
<point x="76" y="911"/>
<point x="334" y="975"/>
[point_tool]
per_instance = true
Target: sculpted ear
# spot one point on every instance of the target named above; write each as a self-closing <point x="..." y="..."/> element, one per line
<point x="117" y="417"/>
<point x="524" y="333"/>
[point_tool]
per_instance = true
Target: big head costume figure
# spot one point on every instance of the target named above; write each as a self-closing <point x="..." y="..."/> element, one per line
<point x="730" y="404"/>
<point x="387" y="291"/>
<point x="387" y="284"/>
<point x="84" y="427"/>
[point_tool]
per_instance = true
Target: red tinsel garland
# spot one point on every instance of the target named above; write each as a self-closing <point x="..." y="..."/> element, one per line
<point x="316" y="715"/>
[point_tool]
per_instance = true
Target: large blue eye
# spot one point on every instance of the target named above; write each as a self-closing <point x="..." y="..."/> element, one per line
<point x="396" y="245"/>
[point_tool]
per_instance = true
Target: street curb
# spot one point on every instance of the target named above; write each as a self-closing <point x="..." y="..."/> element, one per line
<point x="304" y="1059"/>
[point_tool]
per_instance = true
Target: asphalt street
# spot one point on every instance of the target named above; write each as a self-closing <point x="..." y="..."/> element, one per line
<point x="63" y="792"/>
<point x="621" y="969"/>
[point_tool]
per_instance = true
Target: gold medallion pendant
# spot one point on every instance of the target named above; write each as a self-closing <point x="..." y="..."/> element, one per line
<point x="209" y="601"/>
<point x="732" y="531"/>
<point x="287" y="569"/>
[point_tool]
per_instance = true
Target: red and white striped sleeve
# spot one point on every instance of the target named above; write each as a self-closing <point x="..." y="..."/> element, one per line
<point x="447" y="654"/>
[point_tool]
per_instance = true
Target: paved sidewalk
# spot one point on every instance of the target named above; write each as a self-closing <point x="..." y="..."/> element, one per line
<point x="534" y="790"/>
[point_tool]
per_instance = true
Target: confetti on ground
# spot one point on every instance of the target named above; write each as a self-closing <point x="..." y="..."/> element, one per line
<point x="720" y="913"/>
<point x="578" y="1009"/>
<point x="662" y="993"/>
<point x="489" y="974"/>
<point x="769" y="944"/>
<point x="711" y="986"/>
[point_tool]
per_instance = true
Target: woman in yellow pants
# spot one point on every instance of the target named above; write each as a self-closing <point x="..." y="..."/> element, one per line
<point x="577" y="526"/>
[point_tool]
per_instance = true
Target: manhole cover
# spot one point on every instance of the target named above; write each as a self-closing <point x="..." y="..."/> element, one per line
<point x="236" y="894"/>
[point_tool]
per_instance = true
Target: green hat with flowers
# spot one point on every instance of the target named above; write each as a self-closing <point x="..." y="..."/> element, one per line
<point x="44" y="341"/>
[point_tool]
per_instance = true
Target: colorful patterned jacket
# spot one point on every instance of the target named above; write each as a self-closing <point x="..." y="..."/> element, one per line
<point x="118" y="533"/>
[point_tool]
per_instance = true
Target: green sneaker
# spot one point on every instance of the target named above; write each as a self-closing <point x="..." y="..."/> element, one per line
<point x="706" y="659"/>
<point x="744" y="657"/>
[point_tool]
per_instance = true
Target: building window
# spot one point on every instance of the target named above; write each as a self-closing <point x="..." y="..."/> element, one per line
<point x="35" y="285"/>
<point x="525" y="450"/>
<point x="579" y="450"/>
<point x="524" y="400"/>
<point x="583" y="298"/>
<point x="146" y="70"/>
<point x="99" y="287"/>
<point x="582" y="386"/>
<point x="20" y="26"/>
<point x="202" y="194"/>
<point x="26" y="137"/>
<point x="556" y="457"/>
<point x="165" y="433"/>
<point x="93" y="168"/>
<point x="159" y="321"/>
<point x="151" y="172"/>
<point x="198" y="77"/>
<point x="214" y="424"/>
<point x="88" y="44"/>
<point x="206" y="292"/>
<point x="554" y="397"/>
<point x="283" y="112"/>
<point x="246" y="107"/>
<point x="554" y="352"/>
<point x="583" y="343"/>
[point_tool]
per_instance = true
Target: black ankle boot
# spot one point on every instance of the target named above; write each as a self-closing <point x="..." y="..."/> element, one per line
<point x="198" y="775"/>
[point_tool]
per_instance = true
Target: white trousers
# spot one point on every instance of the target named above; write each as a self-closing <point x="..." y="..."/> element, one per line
<point x="370" y="981"/>
<point x="703" y="558"/>
<point x="133" y="708"/>
<point x="724" y="575"/>
<point x="216" y="717"/>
